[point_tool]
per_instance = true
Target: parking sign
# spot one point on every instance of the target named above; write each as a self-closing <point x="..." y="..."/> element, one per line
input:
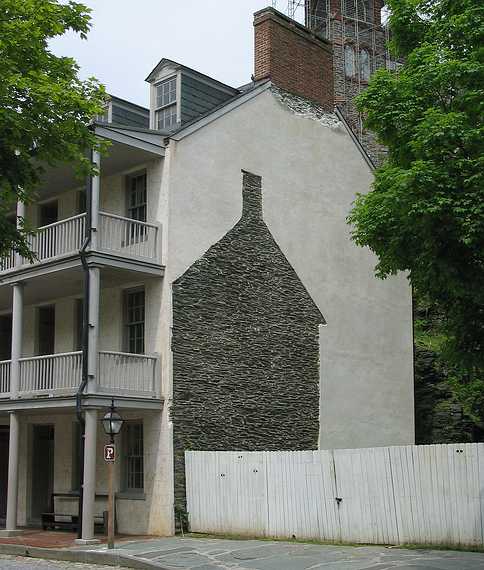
<point x="110" y="453"/>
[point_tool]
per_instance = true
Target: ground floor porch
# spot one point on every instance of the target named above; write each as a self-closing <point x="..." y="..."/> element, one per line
<point x="41" y="463"/>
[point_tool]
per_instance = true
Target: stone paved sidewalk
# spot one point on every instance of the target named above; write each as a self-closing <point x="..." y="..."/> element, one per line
<point x="223" y="554"/>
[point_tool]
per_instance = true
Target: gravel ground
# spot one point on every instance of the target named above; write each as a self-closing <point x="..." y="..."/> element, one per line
<point x="20" y="563"/>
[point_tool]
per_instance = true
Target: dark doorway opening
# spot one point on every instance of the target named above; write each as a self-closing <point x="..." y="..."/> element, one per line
<point x="48" y="213"/>
<point x="42" y="472"/>
<point x="46" y="330"/>
<point x="6" y="336"/>
<point x="4" y="438"/>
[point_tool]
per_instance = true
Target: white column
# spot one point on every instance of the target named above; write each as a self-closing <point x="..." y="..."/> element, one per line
<point x="89" y="487"/>
<point x="17" y="331"/>
<point x="95" y="190"/>
<point x="20" y="214"/>
<point x="93" y="357"/>
<point x="12" y="494"/>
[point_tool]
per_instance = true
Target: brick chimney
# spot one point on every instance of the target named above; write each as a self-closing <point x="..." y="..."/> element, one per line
<point x="293" y="57"/>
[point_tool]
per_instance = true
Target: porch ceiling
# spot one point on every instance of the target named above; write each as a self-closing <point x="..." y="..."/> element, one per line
<point x="120" y="157"/>
<point x="67" y="404"/>
<point x="67" y="283"/>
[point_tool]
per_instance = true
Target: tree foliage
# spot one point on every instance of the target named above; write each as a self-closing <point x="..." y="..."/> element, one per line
<point x="45" y="108"/>
<point x="425" y="213"/>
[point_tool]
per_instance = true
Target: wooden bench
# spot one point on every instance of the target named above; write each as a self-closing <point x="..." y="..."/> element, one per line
<point x="56" y="521"/>
<point x="62" y="521"/>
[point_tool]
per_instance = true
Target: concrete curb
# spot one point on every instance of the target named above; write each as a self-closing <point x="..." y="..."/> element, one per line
<point x="83" y="556"/>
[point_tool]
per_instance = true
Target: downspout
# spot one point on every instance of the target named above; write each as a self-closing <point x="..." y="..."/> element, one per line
<point x="85" y="347"/>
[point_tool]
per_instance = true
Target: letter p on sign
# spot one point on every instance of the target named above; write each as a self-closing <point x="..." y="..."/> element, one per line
<point x="110" y="453"/>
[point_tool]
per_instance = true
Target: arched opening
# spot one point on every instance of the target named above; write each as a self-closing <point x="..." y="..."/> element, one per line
<point x="349" y="60"/>
<point x="365" y="69"/>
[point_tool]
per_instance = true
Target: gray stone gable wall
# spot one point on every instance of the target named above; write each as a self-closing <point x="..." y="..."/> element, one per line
<point x="245" y="347"/>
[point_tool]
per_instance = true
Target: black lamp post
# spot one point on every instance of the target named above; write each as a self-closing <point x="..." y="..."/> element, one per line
<point x="112" y="424"/>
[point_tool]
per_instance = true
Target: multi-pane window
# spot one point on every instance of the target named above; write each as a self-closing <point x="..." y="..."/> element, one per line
<point x="134" y="321"/>
<point x="133" y="457"/>
<point x="166" y="93"/>
<point x="166" y="113"/>
<point x="136" y="209"/>
<point x="137" y="197"/>
<point x="166" y="118"/>
<point x="104" y="117"/>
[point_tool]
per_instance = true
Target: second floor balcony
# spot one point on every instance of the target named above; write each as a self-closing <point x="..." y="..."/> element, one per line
<point x="121" y="202"/>
<point x="117" y="235"/>
<point x="57" y="375"/>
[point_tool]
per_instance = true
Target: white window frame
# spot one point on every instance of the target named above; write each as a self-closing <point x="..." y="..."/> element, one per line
<point x="171" y="106"/>
<point x="169" y="112"/>
<point x="127" y="473"/>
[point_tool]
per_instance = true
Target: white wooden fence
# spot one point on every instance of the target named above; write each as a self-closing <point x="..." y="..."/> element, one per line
<point x="429" y="494"/>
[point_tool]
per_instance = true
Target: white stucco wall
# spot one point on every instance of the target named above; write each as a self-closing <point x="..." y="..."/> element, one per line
<point x="311" y="174"/>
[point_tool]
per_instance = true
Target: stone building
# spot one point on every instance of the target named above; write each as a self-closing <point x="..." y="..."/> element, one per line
<point x="359" y="40"/>
<point x="225" y="310"/>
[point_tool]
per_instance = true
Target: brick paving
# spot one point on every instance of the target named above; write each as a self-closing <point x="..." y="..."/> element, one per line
<point x="20" y="563"/>
<point x="53" y="539"/>
<point x="42" y="539"/>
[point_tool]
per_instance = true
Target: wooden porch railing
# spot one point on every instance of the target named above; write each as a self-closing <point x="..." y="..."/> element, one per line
<point x="128" y="237"/>
<point x="51" y="372"/>
<point x="128" y="373"/>
<point x="4" y="378"/>
<point x="7" y="262"/>
<point x="119" y="373"/>
<point x="60" y="238"/>
<point x="118" y="235"/>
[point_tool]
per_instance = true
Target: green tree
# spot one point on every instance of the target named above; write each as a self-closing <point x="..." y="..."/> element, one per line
<point x="425" y="212"/>
<point x="45" y="109"/>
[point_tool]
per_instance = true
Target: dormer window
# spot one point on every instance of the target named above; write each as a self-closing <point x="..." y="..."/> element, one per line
<point x="166" y="108"/>
<point x="179" y="94"/>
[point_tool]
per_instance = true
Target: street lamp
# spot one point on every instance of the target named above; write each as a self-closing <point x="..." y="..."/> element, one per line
<point x="112" y="424"/>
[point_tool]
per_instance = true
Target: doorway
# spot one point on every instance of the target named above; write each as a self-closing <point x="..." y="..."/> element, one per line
<point x="42" y="471"/>
<point x="45" y="330"/>
<point x="48" y="213"/>
<point x="4" y="438"/>
<point x="6" y="336"/>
